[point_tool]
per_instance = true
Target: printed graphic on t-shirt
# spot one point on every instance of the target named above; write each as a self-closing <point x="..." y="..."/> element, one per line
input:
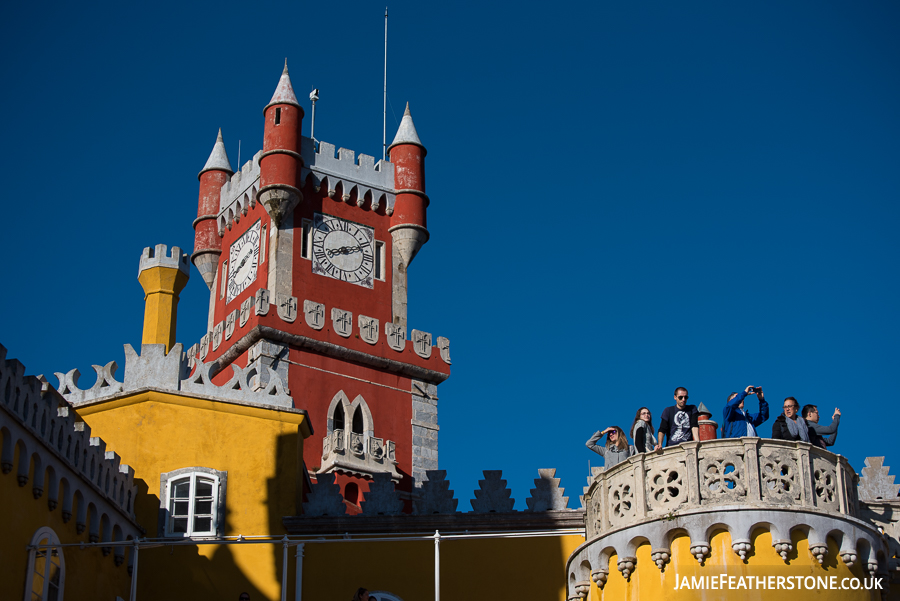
<point x="681" y="431"/>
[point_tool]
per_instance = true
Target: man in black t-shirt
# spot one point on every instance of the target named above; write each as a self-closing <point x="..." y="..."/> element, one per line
<point x="679" y="423"/>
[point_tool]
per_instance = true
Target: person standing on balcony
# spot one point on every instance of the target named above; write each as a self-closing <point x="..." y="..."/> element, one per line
<point x="790" y="426"/>
<point x="739" y="422"/>
<point x="679" y="423"/>
<point x="827" y="434"/>
<point x="642" y="431"/>
<point x="616" y="449"/>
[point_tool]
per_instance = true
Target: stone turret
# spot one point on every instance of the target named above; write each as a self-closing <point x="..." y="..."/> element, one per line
<point x="163" y="277"/>
<point x="207" y="243"/>
<point x="280" y="162"/>
<point x="408" y="224"/>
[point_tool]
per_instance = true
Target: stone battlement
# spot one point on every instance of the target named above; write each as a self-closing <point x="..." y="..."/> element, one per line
<point x="33" y="411"/>
<point x="158" y="257"/>
<point x="335" y="168"/>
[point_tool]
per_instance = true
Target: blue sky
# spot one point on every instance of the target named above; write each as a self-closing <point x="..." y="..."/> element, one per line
<point x="625" y="197"/>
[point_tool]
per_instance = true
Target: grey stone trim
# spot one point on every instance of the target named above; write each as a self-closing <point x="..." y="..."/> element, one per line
<point x="360" y="174"/>
<point x="204" y="218"/>
<point x="416" y="193"/>
<point x="154" y="369"/>
<point x="241" y="189"/>
<point x="516" y="521"/>
<point x="381" y="499"/>
<point x="425" y="430"/>
<point x="158" y="257"/>
<point x="436" y="496"/>
<point x="324" y="499"/>
<point x="425" y="425"/>
<point x="855" y="538"/>
<point x="493" y="496"/>
<point x="876" y="482"/>
<point x="328" y="349"/>
<point x="164" y="500"/>
<point x="46" y="430"/>
<point x="296" y="155"/>
<point x="547" y="494"/>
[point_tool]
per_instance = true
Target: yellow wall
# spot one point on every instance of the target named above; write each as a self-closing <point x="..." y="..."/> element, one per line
<point x="649" y="583"/>
<point x="89" y="575"/>
<point x="262" y="452"/>
<point x="480" y="569"/>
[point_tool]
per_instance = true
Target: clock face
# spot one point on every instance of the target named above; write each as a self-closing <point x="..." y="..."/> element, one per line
<point x="343" y="250"/>
<point x="242" y="261"/>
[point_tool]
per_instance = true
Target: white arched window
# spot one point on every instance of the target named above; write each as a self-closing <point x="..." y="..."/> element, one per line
<point x="46" y="568"/>
<point x="192" y="502"/>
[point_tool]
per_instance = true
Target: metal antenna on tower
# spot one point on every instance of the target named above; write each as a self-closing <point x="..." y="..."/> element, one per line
<point x="384" y="112"/>
<point x="313" y="96"/>
<point x="239" y="155"/>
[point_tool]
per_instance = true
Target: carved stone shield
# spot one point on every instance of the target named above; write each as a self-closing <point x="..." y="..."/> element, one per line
<point x="396" y="336"/>
<point x="230" y="320"/>
<point x="314" y="314"/>
<point x="245" y="311"/>
<point x="342" y="321"/>
<point x="204" y="347"/>
<point x="217" y="334"/>
<point x="262" y="301"/>
<point x="421" y="343"/>
<point x="368" y="329"/>
<point x="443" y="345"/>
<point x="287" y="307"/>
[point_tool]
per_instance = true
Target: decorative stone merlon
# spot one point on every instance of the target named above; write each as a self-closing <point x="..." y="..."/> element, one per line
<point x="436" y="496"/>
<point x="876" y="482"/>
<point x="158" y="257"/>
<point x="154" y="368"/>
<point x="547" y="495"/>
<point x="382" y="498"/>
<point x="324" y="498"/>
<point x="493" y="496"/>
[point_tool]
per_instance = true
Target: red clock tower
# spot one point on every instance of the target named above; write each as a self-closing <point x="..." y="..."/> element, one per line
<point x="307" y="264"/>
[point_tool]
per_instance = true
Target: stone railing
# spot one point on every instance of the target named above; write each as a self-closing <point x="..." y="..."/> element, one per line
<point x="733" y="471"/>
<point x="361" y="455"/>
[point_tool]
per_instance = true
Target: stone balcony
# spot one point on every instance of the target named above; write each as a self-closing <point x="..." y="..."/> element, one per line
<point x="737" y="484"/>
<point x="363" y="456"/>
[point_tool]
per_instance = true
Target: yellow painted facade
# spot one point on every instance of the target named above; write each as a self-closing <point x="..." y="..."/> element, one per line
<point x="23" y="515"/>
<point x="161" y="285"/>
<point x="260" y="449"/>
<point x="763" y="562"/>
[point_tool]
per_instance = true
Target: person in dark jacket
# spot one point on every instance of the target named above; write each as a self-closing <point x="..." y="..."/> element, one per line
<point x="790" y="426"/>
<point x="739" y="422"/>
<point x="616" y="449"/>
<point x="827" y="434"/>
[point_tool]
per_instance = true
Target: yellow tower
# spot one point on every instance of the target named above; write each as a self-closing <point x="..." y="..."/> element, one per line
<point x="163" y="277"/>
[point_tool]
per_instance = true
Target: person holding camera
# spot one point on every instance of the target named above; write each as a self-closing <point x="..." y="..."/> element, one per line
<point x="738" y="421"/>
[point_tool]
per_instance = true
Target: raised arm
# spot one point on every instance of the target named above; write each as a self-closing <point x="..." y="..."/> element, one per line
<point x="763" y="414"/>
<point x="592" y="443"/>
<point x="731" y="407"/>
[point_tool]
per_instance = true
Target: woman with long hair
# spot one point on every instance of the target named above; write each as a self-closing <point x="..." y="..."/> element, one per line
<point x="616" y="449"/>
<point x="362" y="594"/>
<point x="642" y="431"/>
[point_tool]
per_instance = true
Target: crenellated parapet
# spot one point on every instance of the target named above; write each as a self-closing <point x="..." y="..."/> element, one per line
<point x="50" y="448"/>
<point x="357" y="177"/>
<point x="239" y="194"/>
<point x="158" y="370"/>
<point x="735" y="484"/>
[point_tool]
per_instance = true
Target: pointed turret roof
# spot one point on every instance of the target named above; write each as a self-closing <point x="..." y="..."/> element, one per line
<point x="284" y="93"/>
<point x="406" y="133"/>
<point x="218" y="158"/>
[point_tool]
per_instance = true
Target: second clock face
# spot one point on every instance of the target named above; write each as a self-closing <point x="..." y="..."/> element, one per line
<point x="242" y="261"/>
<point x="343" y="250"/>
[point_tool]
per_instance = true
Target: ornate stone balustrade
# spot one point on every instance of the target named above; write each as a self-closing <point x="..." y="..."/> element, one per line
<point x="731" y="471"/>
<point x="361" y="455"/>
<point x="738" y="485"/>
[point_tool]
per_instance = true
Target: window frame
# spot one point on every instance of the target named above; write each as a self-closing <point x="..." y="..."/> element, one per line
<point x="53" y="541"/>
<point x="168" y="479"/>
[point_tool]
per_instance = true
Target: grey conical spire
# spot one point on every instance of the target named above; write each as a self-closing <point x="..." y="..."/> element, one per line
<point x="284" y="93"/>
<point x="218" y="158"/>
<point x="406" y="133"/>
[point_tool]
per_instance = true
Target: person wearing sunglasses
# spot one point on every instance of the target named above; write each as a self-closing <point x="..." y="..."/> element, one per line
<point x="616" y="450"/>
<point x="680" y="423"/>
<point x="738" y="421"/>
<point x="790" y="426"/>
